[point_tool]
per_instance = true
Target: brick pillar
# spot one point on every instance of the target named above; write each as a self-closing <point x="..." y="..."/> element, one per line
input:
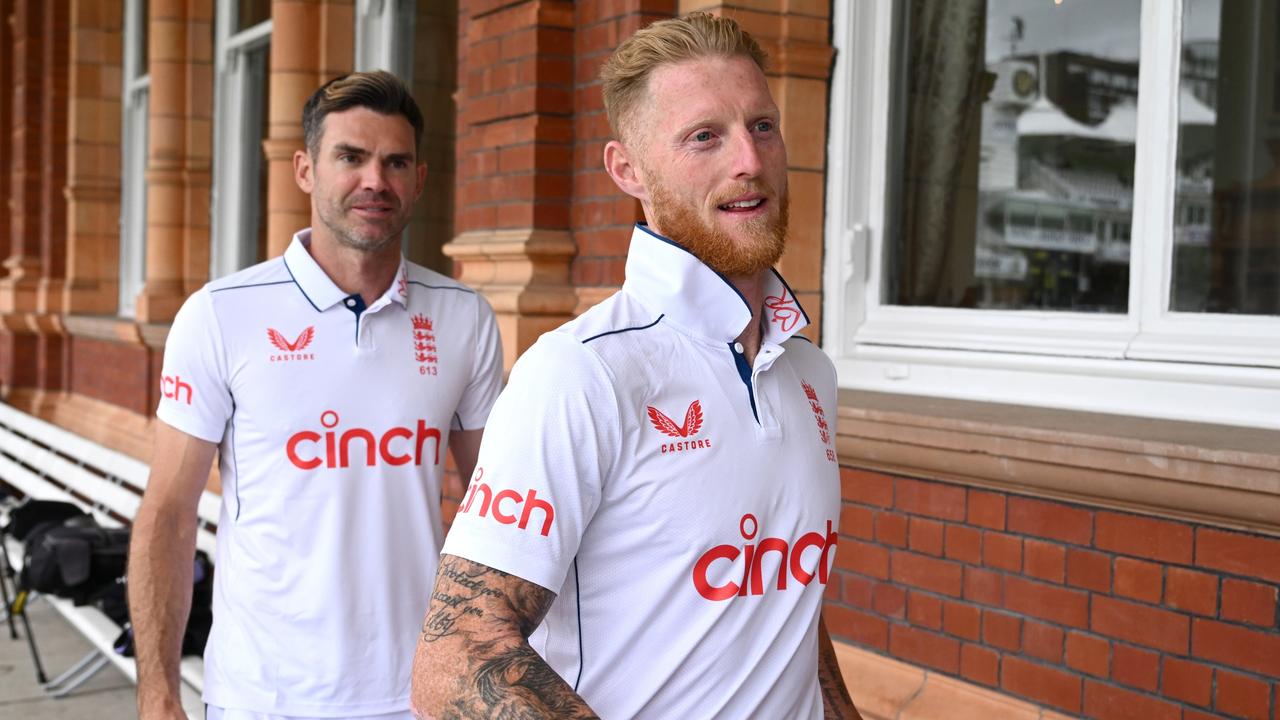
<point x="312" y="41"/>
<point x="18" y="287"/>
<point x="602" y="214"/>
<point x="796" y="35"/>
<point x="55" y="73"/>
<point x="180" y="55"/>
<point x="6" y="121"/>
<point x="93" y="173"/>
<point x="514" y="146"/>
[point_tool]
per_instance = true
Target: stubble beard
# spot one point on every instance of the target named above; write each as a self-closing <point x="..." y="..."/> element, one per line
<point x="765" y="238"/>
<point x="334" y="220"/>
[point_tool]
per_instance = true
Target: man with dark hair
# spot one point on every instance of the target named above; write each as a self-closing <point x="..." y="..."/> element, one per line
<point x="329" y="380"/>
<point x="658" y="494"/>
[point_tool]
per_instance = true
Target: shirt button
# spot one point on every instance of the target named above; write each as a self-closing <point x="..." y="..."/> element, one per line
<point x="351" y="302"/>
<point x="737" y="347"/>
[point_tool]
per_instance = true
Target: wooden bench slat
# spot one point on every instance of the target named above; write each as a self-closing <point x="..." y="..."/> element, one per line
<point x="109" y="461"/>
<point x="54" y="478"/>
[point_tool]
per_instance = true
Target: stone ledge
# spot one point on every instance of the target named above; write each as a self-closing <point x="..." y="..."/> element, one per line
<point x="884" y="688"/>
<point x="1217" y="474"/>
<point x="103" y="327"/>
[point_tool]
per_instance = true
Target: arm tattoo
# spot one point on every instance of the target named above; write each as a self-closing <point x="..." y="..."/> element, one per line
<point x="837" y="704"/>
<point x="486" y="617"/>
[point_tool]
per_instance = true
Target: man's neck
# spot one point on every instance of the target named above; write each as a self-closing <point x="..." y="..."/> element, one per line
<point x="752" y="288"/>
<point x="355" y="272"/>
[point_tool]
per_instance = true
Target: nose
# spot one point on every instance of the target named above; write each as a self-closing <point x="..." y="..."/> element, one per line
<point x="746" y="156"/>
<point x="373" y="177"/>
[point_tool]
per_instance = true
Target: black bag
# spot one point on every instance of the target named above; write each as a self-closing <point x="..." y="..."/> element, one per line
<point x="77" y="560"/>
<point x="196" y="635"/>
<point x="32" y="514"/>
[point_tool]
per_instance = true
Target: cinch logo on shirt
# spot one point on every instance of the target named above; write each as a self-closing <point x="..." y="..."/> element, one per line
<point x="295" y="348"/>
<point x="396" y="446"/>
<point x="791" y="561"/>
<point x="692" y="424"/>
<point x="173" y="387"/>
<point x="490" y="501"/>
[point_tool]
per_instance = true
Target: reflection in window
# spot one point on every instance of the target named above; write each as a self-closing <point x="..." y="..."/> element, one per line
<point x="1016" y="161"/>
<point x="1226" y="239"/>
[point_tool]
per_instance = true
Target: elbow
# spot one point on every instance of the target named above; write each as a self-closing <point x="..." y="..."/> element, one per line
<point x="431" y="680"/>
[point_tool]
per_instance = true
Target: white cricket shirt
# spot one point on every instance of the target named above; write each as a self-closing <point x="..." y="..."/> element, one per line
<point x="682" y="505"/>
<point x="333" y="420"/>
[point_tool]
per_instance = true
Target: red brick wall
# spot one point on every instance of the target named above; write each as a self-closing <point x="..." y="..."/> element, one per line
<point x="24" y="202"/>
<point x="602" y="214"/>
<point x="1092" y="611"/>
<point x="53" y="148"/>
<point x="123" y="374"/>
<point x="515" y="108"/>
<point x="18" y="353"/>
<point x="6" y="120"/>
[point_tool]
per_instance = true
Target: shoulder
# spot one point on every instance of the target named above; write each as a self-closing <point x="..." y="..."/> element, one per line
<point x="254" y="280"/>
<point x="811" y="362"/>
<point x="430" y="289"/>
<point x="428" y="279"/>
<point x="605" y="325"/>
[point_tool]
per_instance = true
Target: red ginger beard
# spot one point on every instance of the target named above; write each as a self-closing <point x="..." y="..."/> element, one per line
<point x="765" y="237"/>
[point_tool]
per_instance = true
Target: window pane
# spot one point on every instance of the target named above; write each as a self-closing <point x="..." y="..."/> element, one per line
<point x="1226" y="236"/>
<point x="1016" y="158"/>
<point x="144" y="32"/>
<point x="251" y="12"/>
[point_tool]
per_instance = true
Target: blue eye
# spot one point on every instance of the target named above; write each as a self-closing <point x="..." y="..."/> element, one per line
<point x="764" y="126"/>
<point x="703" y="136"/>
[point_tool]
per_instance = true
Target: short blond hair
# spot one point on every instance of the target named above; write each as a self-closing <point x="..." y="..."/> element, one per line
<point x="625" y="75"/>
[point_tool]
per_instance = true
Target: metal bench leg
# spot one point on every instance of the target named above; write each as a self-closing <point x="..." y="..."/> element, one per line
<point x="71" y="671"/>
<point x="19" y="607"/>
<point x="6" y="579"/>
<point x="99" y="662"/>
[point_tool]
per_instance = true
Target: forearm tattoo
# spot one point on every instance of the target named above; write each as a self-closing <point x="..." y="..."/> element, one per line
<point x="486" y="616"/>
<point x="837" y="703"/>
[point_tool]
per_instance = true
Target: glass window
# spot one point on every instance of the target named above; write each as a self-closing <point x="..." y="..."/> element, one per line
<point x="1024" y="114"/>
<point x="251" y="12"/>
<point x="133" y="187"/>
<point x="1226" y="248"/>
<point x="241" y="120"/>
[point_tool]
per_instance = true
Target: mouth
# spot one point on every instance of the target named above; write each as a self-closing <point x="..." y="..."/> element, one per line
<point x="744" y="205"/>
<point x="373" y="210"/>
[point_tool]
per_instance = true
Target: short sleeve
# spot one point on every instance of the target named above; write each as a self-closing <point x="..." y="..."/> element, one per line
<point x="486" y="376"/>
<point x="550" y="444"/>
<point x="194" y="393"/>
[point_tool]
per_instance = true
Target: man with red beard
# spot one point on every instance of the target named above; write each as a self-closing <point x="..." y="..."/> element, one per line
<point x="652" y="519"/>
<point x="328" y="380"/>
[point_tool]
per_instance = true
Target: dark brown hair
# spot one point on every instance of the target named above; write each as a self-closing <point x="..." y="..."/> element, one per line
<point x="380" y="91"/>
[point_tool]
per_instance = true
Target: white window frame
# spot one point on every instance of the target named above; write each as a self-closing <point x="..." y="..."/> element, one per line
<point x="239" y="102"/>
<point x="1148" y="362"/>
<point x="135" y="105"/>
<point x="384" y="37"/>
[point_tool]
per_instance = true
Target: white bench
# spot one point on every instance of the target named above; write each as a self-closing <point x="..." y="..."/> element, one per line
<point x="43" y="461"/>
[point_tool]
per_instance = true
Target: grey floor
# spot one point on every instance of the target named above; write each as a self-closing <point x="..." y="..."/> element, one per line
<point x="108" y="695"/>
